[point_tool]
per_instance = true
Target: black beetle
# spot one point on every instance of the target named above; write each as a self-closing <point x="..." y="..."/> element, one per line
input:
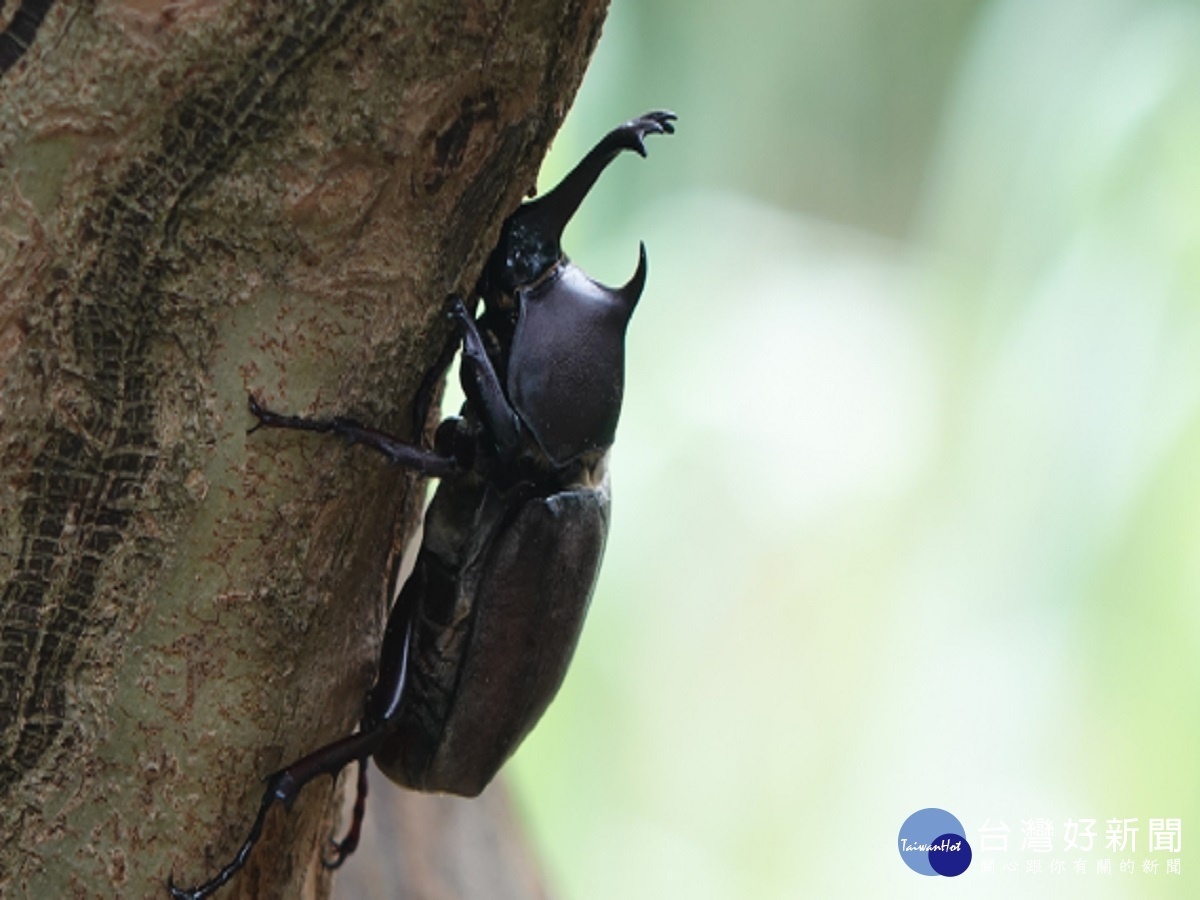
<point x="483" y="630"/>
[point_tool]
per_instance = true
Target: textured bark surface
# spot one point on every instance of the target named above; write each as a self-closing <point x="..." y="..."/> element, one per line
<point x="200" y="200"/>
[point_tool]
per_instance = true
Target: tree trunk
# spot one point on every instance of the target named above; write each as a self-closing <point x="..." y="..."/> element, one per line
<point x="201" y="200"/>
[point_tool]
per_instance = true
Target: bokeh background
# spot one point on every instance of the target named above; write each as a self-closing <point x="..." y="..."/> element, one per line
<point x="907" y="487"/>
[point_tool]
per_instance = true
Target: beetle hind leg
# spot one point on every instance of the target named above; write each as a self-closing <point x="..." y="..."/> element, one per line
<point x="347" y="845"/>
<point x="283" y="787"/>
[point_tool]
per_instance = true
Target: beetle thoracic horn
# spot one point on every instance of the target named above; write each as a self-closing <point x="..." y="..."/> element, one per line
<point x="629" y="295"/>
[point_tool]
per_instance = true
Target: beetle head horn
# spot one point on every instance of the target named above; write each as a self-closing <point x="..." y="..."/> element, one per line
<point x="554" y="209"/>
<point x="549" y="214"/>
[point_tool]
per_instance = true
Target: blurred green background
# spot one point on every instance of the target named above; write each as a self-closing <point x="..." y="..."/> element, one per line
<point x="907" y="484"/>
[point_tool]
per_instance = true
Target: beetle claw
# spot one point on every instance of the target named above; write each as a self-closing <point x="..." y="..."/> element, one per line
<point x="339" y="855"/>
<point x="656" y="122"/>
<point x="347" y="845"/>
<point x="256" y="410"/>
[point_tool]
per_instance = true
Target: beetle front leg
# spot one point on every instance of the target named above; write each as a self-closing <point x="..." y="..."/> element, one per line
<point x="427" y="462"/>
<point x="482" y="385"/>
<point x="423" y="400"/>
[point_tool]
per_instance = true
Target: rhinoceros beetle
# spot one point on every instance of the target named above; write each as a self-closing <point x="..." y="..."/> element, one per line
<point x="482" y="632"/>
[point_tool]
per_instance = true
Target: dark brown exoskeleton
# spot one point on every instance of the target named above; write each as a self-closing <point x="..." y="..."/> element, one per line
<point x="483" y="630"/>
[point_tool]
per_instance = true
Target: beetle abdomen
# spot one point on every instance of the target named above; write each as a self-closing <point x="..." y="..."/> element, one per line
<point x="478" y="696"/>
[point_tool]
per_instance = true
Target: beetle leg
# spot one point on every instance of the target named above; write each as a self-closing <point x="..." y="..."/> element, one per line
<point x="424" y="396"/>
<point x="283" y="787"/>
<point x="482" y="385"/>
<point x="427" y="462"/>
<point x="348" y="844"/>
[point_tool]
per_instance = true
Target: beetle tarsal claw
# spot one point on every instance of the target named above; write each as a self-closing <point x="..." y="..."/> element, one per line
<point x="657" y="122"/>
<point x="335" y="861"/>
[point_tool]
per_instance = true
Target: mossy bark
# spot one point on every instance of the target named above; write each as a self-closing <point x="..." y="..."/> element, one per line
<point x="198" y="201"/>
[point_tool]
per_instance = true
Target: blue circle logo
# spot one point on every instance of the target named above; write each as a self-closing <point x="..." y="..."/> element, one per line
<point x="933" y="842"/>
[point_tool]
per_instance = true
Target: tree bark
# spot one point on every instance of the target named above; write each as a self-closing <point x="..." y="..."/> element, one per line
<point x="201" y="200"/>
